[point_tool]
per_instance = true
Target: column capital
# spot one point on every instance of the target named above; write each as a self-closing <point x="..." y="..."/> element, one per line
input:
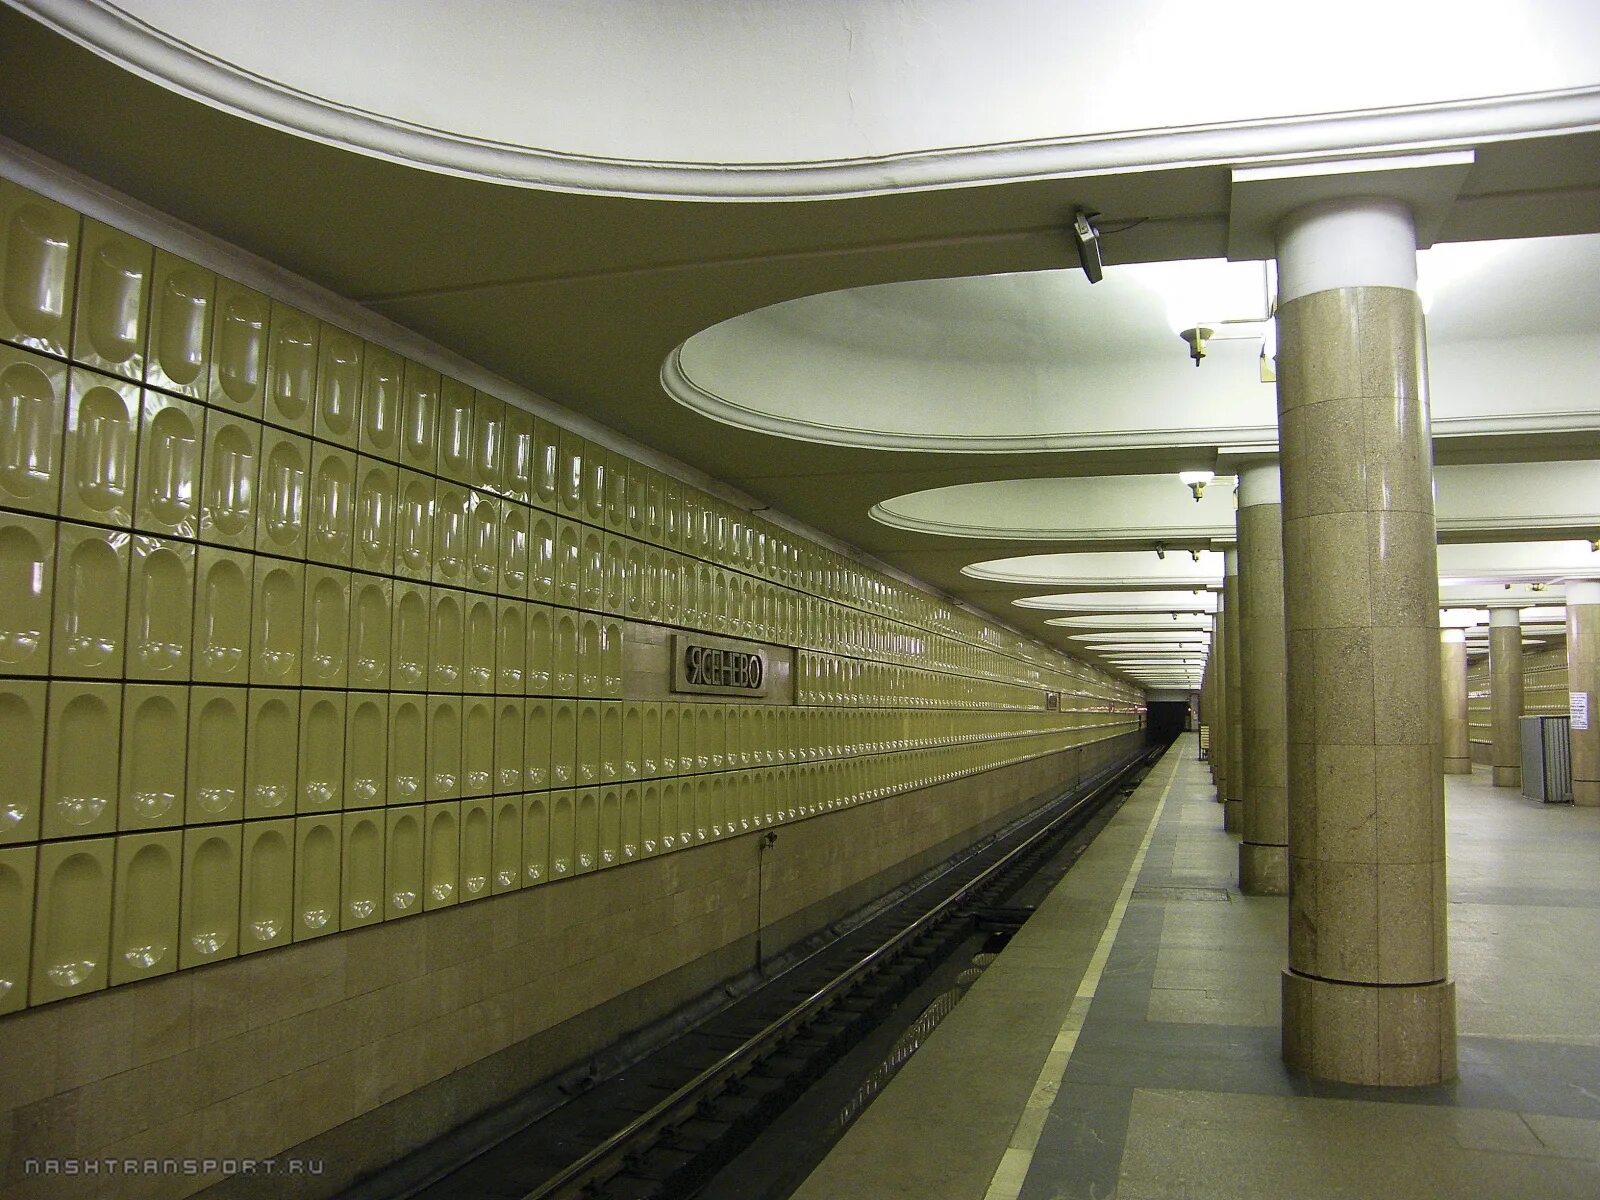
<point x="1453" y="636"/>
<point x="1358" y="241"/>
<point x="1583" y="591"/>
<point x="1263" y="195"/>
<point x="1505" y="616"/>
<point x="1259" y="481"/>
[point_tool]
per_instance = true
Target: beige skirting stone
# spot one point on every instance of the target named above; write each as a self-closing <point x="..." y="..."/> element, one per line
<point x="1358" y="1033"/>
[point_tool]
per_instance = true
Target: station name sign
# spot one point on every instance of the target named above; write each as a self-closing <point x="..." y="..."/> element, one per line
<point x="718" y="667"/>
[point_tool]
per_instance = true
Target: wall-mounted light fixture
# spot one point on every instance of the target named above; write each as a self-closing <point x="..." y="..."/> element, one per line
<point x="1196" y="482"/>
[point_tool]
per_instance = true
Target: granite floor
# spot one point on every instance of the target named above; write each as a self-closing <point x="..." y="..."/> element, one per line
<point x="1126" y="1043"/>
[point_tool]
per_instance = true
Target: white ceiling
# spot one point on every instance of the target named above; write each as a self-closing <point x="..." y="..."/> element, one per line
<point x="582" y="94"/>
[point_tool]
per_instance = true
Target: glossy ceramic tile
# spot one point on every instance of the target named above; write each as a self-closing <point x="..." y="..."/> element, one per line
<point x="230" y="464"/>
<point x="326" y="622"/>
<point x="366" y="781"/>
<point x="340" y="371"/>
<point x="161" y="588"/>
<point x="456" y="401"/>
<point x="277" y="622"/>
<point x="182" y="313"/>
<point x="375" y="515"/>
<point x="238" y="372"/>
<point x="408" y="761"/>
<point x="266" y="892"/>
<point x="371" y="631"/>
<point x="442" y="849"/>
<point x="272" y="752"/>
<point x="111" y="326"/>
<point x="155" y="736"/>
<point x="167" y="493"/>
<point x="404" y="862"/>
<point x="361" y="886"/>
<point x="331" y="506"/>
<point x="215" y="773"/>
<point x="208" y="928"/>
<point x="322" y="751"/>
<point x="507" y="852"/>
<point x="293" y="345"/>
<point x="477" y="849"/>
<point x="27" y="593"/>
<point x="144" y="910"/>
<point x="99" y="448"/>
<point x="23" y="715"/>
<point x="317" y="880"/>
<point x="382" y="401"/>
<point x="39" y="243"/>
<point x="72" y="919"/>
<point x="81" y="779"/>
<point x="283" y="493"/>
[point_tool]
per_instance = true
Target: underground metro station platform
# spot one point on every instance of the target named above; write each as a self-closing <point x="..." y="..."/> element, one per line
<point x="745" y="601"/>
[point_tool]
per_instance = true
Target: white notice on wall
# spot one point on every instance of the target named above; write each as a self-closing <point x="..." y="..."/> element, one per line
<point x="1578" y="706"/>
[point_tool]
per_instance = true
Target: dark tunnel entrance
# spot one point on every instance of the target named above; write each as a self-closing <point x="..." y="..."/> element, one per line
<point x="1167" y="719"/>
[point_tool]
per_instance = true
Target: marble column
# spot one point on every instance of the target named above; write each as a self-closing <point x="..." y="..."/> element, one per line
<point x="1505" y="694"/>
<point x="1457" y="746"/>
<point x="1366" y="997"/>
<point x="1583" y="678"/>
<point x="1233" y="794"/>
<point x="1263" y="854"/>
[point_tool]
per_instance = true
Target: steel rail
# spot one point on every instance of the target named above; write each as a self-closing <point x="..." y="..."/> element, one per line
<point x="688" y="1096"/>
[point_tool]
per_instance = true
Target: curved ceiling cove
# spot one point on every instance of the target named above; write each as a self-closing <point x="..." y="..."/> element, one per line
<point x="1089" y="509"/>
<point x="993" y="363"/>
<point x="1137" y="622"/>
<point x="1045" y="361"/>
<point x="1125" y="602"/>
<point x="1145" y="637"/>
<point x="1125" y="569"/>
<point x="723" y="99"/>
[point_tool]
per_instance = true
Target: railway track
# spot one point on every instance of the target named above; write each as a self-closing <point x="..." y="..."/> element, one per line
<point x="662" y="1127"/>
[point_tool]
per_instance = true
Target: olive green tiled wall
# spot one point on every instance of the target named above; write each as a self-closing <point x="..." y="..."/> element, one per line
<point x="1544" y="680"/>
<point x="298" y="636"/>
<point x="1544" y="693"/>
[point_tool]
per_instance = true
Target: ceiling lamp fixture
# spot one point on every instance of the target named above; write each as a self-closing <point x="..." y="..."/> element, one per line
<point x="1196" y="336"/>
<point x="1196" y="482"/>
<point x="1087" y="238"/>
<point x="1189" y="319"/>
